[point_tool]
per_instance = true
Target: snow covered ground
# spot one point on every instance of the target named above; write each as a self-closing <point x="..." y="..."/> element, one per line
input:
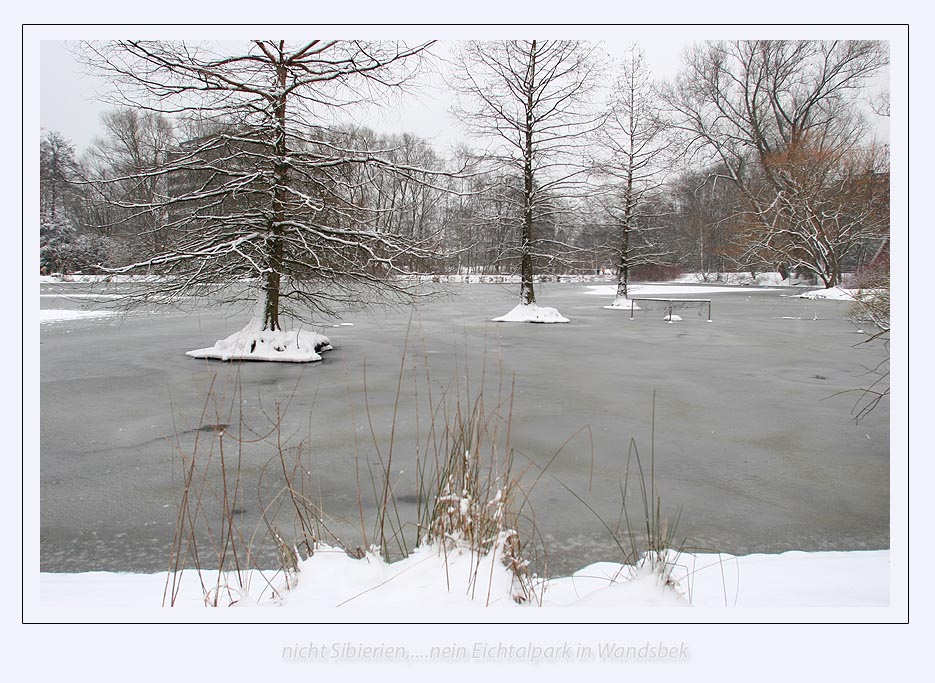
<point x="661" y="289"/>
<point x="425" y="585"/>
<point x="47" y="279"/>
<point x="75" y="295"/>
<point x="54" y="315"/>
<point x="735" y="278"/>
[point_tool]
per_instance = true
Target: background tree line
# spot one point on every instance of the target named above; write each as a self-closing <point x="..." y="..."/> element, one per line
<point x="756" y="157"/>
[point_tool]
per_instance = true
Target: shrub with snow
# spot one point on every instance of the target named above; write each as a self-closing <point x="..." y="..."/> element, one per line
<point x="62" y="249"/>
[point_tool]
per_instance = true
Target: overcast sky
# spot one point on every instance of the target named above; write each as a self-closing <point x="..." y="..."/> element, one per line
<point x="68" y="104"/>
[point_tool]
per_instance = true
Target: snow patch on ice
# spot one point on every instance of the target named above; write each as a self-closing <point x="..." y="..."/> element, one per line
<point x="532" y="313"/>
<point x="254" y="343"/>
<point x="621" y="303"/>
<point x="832" y="294"/>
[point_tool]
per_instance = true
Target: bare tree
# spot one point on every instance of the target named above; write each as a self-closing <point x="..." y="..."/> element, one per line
<point x="57" y="172"/>
<point x="135" y="143"/>
<point x="532" y="100"/>
<point x="781" y="119"/>
<point x="707" y="224"/>
<point x="636" y="148"/>
<point x="266" y="190"/>
<point x="64" y="243"/>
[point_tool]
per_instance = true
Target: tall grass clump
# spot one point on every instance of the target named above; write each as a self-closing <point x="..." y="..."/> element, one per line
<point x="230" y="467"/>
<point x="465" y="483"/>
<point x="471" y="492"/>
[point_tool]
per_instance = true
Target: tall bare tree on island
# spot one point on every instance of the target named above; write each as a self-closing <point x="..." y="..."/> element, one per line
<point x="263" y="192"/>
<point x="636" y="148"/>
<point x="532" y="100"/>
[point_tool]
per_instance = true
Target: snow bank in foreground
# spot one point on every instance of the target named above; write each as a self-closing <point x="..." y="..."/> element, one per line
<point x="834" y="294"/>
<point x="254" y="343"/>
<point x="429" y="584"/>
<point x="54" y="315"/>
<point x="531" y="313"/>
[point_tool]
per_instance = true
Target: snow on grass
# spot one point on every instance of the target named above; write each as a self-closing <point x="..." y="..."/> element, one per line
<point x="660" y="289"/>
<point x="55" y="315"/>
<point x="531" y="313"/>
<point x="505" y="279"/>
<point x="430" y="584"/>
<point x="735" y="278"/>
<point x="76" y="277"/>
<point x="832" y="294"/>
<point x="255" y="343"/>
<point x="70" y="295"/>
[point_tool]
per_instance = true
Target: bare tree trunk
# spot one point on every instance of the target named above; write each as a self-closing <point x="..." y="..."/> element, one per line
<point x="623" y="269"/>
<point x="527" y="292"/>
<point x="281" y="179"/>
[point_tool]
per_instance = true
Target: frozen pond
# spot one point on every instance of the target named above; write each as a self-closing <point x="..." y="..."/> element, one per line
<point x="751" y="440"/>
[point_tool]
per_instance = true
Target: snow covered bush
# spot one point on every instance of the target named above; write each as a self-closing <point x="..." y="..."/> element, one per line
<point x="62" y="249"/>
